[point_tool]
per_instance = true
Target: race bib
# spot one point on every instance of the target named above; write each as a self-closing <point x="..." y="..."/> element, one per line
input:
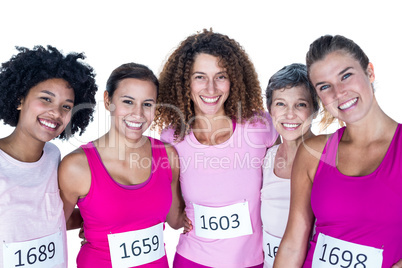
<point x="46" y="252"/>
<point x="136" y="248"/>
<point x="270" y="246"/>
<point x="331" y="252"/>
<point x="222" y="222"/>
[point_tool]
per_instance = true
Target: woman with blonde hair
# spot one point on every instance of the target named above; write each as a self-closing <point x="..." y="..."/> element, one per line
<point x="347" y="181"/>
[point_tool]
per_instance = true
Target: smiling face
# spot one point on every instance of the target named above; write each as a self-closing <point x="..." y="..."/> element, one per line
<point x="132" y="107"/>
<point x="210" y="85"/>
<point x="46" y="110"/>
<point x="292" y="112"/>
<point x="343" y="86"/>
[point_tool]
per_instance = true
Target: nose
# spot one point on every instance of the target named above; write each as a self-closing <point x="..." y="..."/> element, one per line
<point x="56" y="112"/>
<point x="138" y="110"/>
<point x="211" y="87"/>
<point x="290" y="113"/>
<point x="340" y="91"/>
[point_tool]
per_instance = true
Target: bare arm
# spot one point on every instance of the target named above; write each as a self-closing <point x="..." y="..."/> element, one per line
<point x="293" y="248"/>
<point x="175" y="217"/>
<point x="75" y="221"/>
<point x="398" y="264"/>
<point x="74" y="182"/>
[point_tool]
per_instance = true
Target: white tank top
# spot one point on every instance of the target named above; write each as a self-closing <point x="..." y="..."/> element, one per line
<point x="275" y="197"/>
<point x="31" y="208"/>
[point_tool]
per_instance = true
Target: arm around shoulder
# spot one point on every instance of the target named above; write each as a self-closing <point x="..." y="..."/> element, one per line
<point x="293" y="248"/>
<point x="175" y="217"/>
<point x="74" y="181"/>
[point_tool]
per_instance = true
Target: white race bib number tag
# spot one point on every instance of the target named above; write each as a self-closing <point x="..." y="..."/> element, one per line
<point x="222" y="222"/>
<point x="136" y="248"/>
<point x="332" y="252"/>
<point x="270" y="246"/>
<point x="47" y="251"/>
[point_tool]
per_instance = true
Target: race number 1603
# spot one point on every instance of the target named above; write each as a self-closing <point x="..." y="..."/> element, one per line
<point x="222" y="222"/>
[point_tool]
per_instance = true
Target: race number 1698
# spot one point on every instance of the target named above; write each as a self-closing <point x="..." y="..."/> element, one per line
<point x="332" y="252"/>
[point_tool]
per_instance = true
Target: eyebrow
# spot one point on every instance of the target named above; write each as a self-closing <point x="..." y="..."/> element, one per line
<point x="131" y="98"/>
<point x="340" y="73"/>
<point x="197" y="72"/>
<point x="283" y="99"/>
<point x="53" y="95"/>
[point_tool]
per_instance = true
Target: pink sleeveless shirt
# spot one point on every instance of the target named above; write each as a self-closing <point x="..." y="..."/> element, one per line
<point x="111" y="208"/>
<point x="365" y="210"/>
<point x="222" y="175"/>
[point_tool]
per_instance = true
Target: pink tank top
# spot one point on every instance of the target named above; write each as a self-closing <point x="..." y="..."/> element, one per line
<point x="220" y="175"/>
<point x="111" y="208"/>
<point x="365" y="210"/>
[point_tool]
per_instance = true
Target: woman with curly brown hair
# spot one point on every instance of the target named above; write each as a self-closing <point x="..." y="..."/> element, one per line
<point x="44" y="95"/>
<point x="211" y="110"/>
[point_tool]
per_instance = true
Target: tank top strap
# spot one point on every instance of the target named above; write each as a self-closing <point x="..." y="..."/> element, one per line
<point x="329" y="154"/>
<point x="396" y="142"/>
<point x="94" y="160"/>
<point x="160" y="158"/>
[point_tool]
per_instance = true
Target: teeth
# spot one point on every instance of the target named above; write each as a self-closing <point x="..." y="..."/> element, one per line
<point x="132" y="124"/>
<point x="291" y="125"/>
<point x="48" y="124"/>
<point x="209" y="100"/>
<point x="347" y="104"/>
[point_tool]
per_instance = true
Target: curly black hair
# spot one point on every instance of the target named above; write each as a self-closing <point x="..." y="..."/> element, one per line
<point x="31" y="67"/>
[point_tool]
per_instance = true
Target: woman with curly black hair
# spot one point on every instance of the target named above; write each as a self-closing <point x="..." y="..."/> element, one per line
<point x="44" y="95"/>
<point x="211" y="110"/>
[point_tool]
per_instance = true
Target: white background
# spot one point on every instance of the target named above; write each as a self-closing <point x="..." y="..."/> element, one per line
<point x="274" y="34"/>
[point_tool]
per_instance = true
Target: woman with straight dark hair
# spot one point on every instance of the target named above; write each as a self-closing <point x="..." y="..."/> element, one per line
<point x="124" y="183"/>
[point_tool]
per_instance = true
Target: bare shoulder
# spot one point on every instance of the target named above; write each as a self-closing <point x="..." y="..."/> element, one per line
<point x="74" y="173"/>
<point x="314" y="145"/>
<point x="170" y="150"/>
<point x="173" y="160"/>
<point x="76" y="161"/>
<point x="309" y="155"/>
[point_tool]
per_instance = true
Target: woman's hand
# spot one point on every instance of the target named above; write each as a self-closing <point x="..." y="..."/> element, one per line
<point x="81" y="235"/>
<point x="188" y="225"/>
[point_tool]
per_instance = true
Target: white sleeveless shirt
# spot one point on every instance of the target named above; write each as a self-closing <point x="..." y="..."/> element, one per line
<point x="31" y="210"/>
<point x="275" y="202"/>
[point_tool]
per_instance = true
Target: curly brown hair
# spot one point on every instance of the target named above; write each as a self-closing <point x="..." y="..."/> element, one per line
<point x="176" y="109"/>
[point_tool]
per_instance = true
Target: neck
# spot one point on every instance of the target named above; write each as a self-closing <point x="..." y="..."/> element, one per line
<point x="119" y="145"/>
<point x="22" y="149"/>
<point x="211" y="121"/>
<point x="212" y="129"/>
<point x="370" y="128"/>
<point x="289" y="147"/>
